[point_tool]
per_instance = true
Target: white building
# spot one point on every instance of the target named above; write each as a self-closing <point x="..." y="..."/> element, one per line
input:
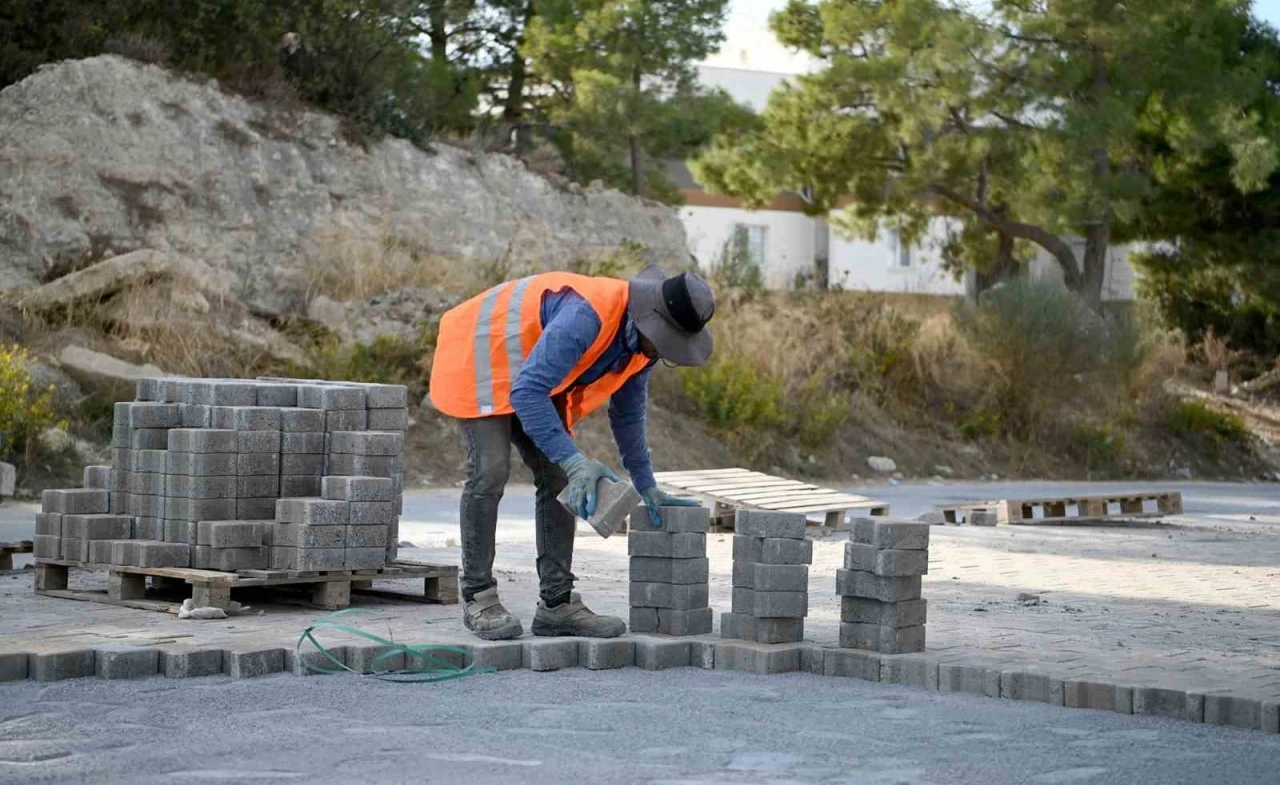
<point x="789" y="245"/>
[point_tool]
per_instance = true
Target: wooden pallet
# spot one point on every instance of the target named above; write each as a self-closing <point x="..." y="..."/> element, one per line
<point x="330" y="589"/>
<point x="8" y="549"/>
<point x="1070" y="509"/>
<point x="731" y="489"/>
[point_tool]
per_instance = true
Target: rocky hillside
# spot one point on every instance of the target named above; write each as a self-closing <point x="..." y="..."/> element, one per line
<point x="104" y="156"/>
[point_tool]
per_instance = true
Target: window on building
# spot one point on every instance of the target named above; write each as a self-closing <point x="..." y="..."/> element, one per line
<point x="901" y="250"/>
<point x="749" y="242"/>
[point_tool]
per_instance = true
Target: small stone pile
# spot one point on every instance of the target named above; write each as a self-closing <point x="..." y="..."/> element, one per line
<point x="233" y="474"/>
<point x="670" y="573"/>
<point x="771" y="559"/>
<point x="881" y="608"/>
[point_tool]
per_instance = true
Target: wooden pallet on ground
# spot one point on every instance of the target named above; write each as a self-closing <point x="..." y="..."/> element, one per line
<point x="8" y="549"/>
<point x="330" y="589"/>
<point x="728" y="490"/>
<point x="1071" y="509"/>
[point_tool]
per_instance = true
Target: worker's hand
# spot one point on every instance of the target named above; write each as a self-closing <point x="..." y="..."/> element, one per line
<point x="654" y="499"/>
<point x="584" y="475"/>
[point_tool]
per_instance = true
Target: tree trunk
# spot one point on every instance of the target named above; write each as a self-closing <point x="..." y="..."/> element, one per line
<point x="513" y="107"/>
<point x="438" y="33"/>
<point x="1097" y="242"/>
<point x="1003" y="268"/>
<point x="633" y="141"/>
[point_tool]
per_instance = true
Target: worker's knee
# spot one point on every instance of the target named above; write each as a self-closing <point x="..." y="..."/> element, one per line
<point x="488" y="469"/>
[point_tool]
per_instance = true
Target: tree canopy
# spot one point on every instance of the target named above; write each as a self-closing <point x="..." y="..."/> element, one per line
<point x="1025" y="121"/>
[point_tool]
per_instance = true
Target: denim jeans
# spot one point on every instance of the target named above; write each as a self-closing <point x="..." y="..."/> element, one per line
<point x="488" y="442"/>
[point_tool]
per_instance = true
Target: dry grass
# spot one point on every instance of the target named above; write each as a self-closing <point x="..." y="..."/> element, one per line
<point x="351" y="263"/>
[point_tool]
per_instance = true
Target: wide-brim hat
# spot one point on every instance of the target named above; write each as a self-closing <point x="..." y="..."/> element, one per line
<point x="672" y="312"/>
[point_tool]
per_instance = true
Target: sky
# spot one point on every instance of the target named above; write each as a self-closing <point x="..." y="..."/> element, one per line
<point x="750" y="45"/>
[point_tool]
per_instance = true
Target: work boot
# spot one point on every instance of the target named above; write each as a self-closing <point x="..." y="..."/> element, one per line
<point x="485" y="616"/>
<point x="574" y="618"/>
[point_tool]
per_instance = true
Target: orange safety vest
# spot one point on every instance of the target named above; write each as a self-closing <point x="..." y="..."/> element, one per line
<point x="484" y="342"/>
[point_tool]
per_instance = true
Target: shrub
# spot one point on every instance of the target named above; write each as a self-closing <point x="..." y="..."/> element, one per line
<point x="25" y="411"/>
<point x="387" y="360"/>
<point x="732" y="394"/>
<point x="1194" y="419"/>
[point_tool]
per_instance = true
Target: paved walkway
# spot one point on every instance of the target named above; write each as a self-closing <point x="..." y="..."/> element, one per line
<point x="1192" y="603"/>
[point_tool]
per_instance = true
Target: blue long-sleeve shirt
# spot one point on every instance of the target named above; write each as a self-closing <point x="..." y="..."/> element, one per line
<point x="569" y="327"/>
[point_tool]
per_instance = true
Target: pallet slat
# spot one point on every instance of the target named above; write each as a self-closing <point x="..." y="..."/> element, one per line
<point x="727" y="489"/>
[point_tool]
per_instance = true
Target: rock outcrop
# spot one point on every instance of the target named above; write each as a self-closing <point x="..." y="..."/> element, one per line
<point x="105" y="156"/>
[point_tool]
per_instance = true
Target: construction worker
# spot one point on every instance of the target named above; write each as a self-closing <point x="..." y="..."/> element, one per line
<point x="521" y="364"/>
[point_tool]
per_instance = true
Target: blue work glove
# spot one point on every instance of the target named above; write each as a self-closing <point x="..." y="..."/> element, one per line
<point x="584" y="475"/>
<point x="654" y="498"/>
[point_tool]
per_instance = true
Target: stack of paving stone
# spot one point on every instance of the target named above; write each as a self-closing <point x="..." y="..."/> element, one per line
<point x="199" y="466"/>
<point x="881" y="608"/>
<point x="670" y="573"/>
<point x="771" y="559"/>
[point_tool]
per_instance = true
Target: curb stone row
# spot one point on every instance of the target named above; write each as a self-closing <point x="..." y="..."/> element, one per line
<point x="924" y="671"/>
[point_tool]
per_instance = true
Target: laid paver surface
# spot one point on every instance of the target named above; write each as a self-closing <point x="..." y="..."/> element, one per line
<point x="1192" y="602"/>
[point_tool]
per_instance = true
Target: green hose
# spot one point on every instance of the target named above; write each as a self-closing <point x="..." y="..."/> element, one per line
<point x="428" y="667"/>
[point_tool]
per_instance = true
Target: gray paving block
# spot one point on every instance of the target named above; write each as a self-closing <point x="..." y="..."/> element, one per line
<point x="150" y="462"/>
<point x="913" y="670"/>
<point x="973" y="679"/>
<point x="601" y="655"/>
<point x="685" y="621"/>
<point x="97" y="527"/>
<point x="313" y="464"/>
<point x="743" y="602"/>
<point x="172" y="390"/>
<point x="751" y="549"/>
<point x="229" y="534"/>
<point x="181" y="662"/>
<point x="891" y="534"/>
<point x="163" y="554"/>
<point x="737" y="625"/>
<point x="702" y="654"/>
<point x="97" y="477"/>
<point x="1237" y="711"/>
<point x="312" y="559"/>
<point x="47" y="546"/>
<point x="366" y="442"/>
<point x="655" y="654"/>
<point x="674" y="519"/>
<point x="317" y="396"/>
<point x="643" y="620"/>
<point x="121" y="437"/>
<point x="258" y="486"/>
<point x="777" y="630"/>
<point x="255" y="418"/>
<point x="13" y="666"/>
<point x="781" y="604"/>
<point x="147" y="484"/>
<point x="100" y="551"/>
<point x="886" y="640"/>
<point x="197" y="464"/>
<point x="155" y="415"/>
<point x="1082" y="694"/>
<point x="125" y="552"/>
<point x="386" y="396"/>
<point x="120" y="413"/>
<point x="299" y="421"/>
<point x="851" y="664"/>
<point x="389" y="419"/>
<point x="75" y="550"/>
<point x="1124" y="700"/>
<point x="202" y="440"/>
<point x="551" y="654"/>
<point x="744" y="574"/>
<point x="253" y="509"/>
<point x="59" y="665"/>
<point x="371" y="513"/>
<point x="781" y="577"/>
<point x="313" y="511"/>
<point x="908" y="613"/>
<point x="196" y="415"/>
<point x="364" y="465"/>
<point x="149" y="439"/>
<point x="776" y="550"/>
<point x="885" y="563"/>
<point x="253" y="662"/>
<point x="75" y="501"/>
<point x="375" y="659"/>
<point x="346" y="420"/>
<point x="126" y="662"/>
<point x="148" y="528"/>
<point x="761" y="523"/>
<point x="258" y="464"/>
<point x="659" y="570"/>
<point x="277" y="395"/>
<point x="306" y="663"/>
<point x="614" y="502"/>
<point x="683" y="545"/>
<point x="294" y="485"/>
<point x="668" y="595"/>
<point x="499" y="655"/>
<point x="49" y="524"/>
<point x="257" y="441"/>
<point x="856" y="583"/>
<point x="284" y="558"/>
<point x="179" y="531"/>
<point x="358" y="489"/>
<point x="1270" y="711"/>
<point x="364" y="558"/>
<point x="1024" y="686"/>
<point x="122" y="461"/>
<point x="366" y="536"/>
<point x="145" y="505"/>
<point x="183" y="486"/>
<point x="758" y="658"/>
<point x="813" y="660"/>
